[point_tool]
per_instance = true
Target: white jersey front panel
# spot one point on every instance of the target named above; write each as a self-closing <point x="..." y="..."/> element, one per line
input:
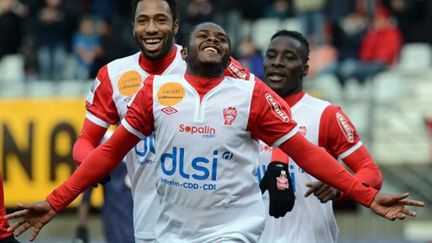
<point x="203" y="188"/>
<point x="126" y="77"/>
<point x="310" y="221"/>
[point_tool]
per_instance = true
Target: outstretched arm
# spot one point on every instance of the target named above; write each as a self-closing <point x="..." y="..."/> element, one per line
<point x="331" y="172"/>
<point x="364" y="168"/>
<point x="97" y="165"/>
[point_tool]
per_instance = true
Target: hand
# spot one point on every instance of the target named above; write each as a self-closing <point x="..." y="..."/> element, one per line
<point x="35" y="215"/>
<point x="104" y="181"/>
<point x="278" y="182"/>
<point x="322" y="191"/>
<point x="392" y="206"/>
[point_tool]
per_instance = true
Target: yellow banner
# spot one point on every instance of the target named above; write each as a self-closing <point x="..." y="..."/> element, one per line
<point x="36" y="141"/>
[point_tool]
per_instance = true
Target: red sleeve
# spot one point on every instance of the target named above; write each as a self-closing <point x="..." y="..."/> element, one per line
<point x="96" y="166"/>
<point x="90" y="137"/>
<point x="336" y="132"/>
<point x="100" y="101"/>
<point x="270" y="116"/>
<point x="340" y="138"/>
<point x="139" y="118"/>
<point x="330" y="171"/>
<point x="4" y="224"/>
<point x="364" y="167"/>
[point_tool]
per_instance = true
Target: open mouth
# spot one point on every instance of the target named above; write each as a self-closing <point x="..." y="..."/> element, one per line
<point x="152" y="44"/>
<point x="275" y="77"/>
<point x="211" y="49"/>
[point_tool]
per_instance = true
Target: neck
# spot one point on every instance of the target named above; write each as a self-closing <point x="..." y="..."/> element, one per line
<point x="158" y="66"/>
<point x="208" y="71"/>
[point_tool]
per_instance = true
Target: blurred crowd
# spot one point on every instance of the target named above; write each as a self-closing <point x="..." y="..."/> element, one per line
<point x="72" y="39"/>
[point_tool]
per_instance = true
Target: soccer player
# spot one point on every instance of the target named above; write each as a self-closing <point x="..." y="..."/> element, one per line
<point x="155" y="23"/>
<point x="312" y="219"/>
<point x="205" y="125"/>
<point x="5" y="236"/>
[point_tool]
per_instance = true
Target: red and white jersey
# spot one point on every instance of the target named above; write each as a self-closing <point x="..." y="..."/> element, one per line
<point x="4" y="224"/>
<point x="328" y="127"/>
<point x="207" y="154"/>
<point x="107" y="101"/>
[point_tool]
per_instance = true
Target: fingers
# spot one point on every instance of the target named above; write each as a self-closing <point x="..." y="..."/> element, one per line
<point x="327" y="196"/>
<point x="15" y="225"/>
<point x="313" y="187"/>
<point x="22" y="229"/>
<point x="412" y="203"/>
<point x="35" y="234"/>
<point x="17" y="214"/>
<point x="401" y="196"/>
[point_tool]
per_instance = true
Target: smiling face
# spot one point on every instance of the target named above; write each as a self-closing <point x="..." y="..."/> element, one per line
<point x="285" y="66"/>
<point x="154" y="28"/>
<point x="208" y="46"/>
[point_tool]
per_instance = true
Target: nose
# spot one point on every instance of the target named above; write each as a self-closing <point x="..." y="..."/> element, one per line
<point x="212" y="38"/>
<point x="151" y="28"/>
<point x="277" y="61"/>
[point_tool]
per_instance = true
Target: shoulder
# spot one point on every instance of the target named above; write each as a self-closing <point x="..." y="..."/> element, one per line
<point x="315" y="103"/>
<point x="124" y="63"/>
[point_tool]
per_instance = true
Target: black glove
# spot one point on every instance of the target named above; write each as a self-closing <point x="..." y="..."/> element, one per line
<point x="104" y="181"/>
<point x="278" y="182"/>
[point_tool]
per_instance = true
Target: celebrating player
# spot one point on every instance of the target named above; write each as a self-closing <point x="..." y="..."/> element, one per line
<point x="205" y="124"/>
<point x="155" y="23"/>
<point x="5" y="236"/>
<point x="312" y="219"/>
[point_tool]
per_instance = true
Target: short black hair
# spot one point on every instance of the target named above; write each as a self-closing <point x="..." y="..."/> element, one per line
<point x="299" y="37"/>
<point x="171" y="3"/>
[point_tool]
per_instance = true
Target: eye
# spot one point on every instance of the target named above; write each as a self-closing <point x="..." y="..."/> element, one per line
<point x="223" y="38"/>
<point x="141" y="21"/>
<point x="270" y="55"/>
<point x="162" y="20"/>
<point x="202" y="35"/>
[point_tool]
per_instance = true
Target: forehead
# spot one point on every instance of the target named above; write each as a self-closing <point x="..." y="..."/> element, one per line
<point x="286" y="43"/>
<point x="209" y="27"/>
<point x="153" y="7"/>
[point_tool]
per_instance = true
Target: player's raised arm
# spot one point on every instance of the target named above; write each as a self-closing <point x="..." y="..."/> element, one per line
<point x="101" y="161"/>
<point x="97" y="165"/>
<point x="388" y="206"/>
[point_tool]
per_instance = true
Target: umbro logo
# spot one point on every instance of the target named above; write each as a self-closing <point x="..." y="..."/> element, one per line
<point x="169" y="110"/>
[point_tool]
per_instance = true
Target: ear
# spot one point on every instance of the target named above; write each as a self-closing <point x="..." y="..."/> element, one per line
<point x="176" y="26"/>
<point x="184" y="53"/>
<point x="305" y="70"/>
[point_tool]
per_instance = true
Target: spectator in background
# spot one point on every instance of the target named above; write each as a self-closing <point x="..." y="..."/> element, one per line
<point x="86" y="46"/>
<point x="311" y="15"/>
<point x="11" y="12"/>
<point x="414" y="19"/>
<point x="111" y="46"/>
<point x="251" y="57"/>
<point x="380" y="46"/>
<point x="347" y="36"/>
<point x="278" y="9"/>
<point x="53" y="27"/>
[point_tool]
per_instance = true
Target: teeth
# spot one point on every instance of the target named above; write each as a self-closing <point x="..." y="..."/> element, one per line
<point x="152" y="41"/>
<point x="212" y="49"/>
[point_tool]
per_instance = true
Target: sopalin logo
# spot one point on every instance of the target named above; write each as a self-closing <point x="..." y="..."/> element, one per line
<point x="200" y="168"/>
<point x="205" y="131"/>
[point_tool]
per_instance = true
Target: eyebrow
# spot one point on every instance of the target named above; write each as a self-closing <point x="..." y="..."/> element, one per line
<point x="208" y="31"/>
